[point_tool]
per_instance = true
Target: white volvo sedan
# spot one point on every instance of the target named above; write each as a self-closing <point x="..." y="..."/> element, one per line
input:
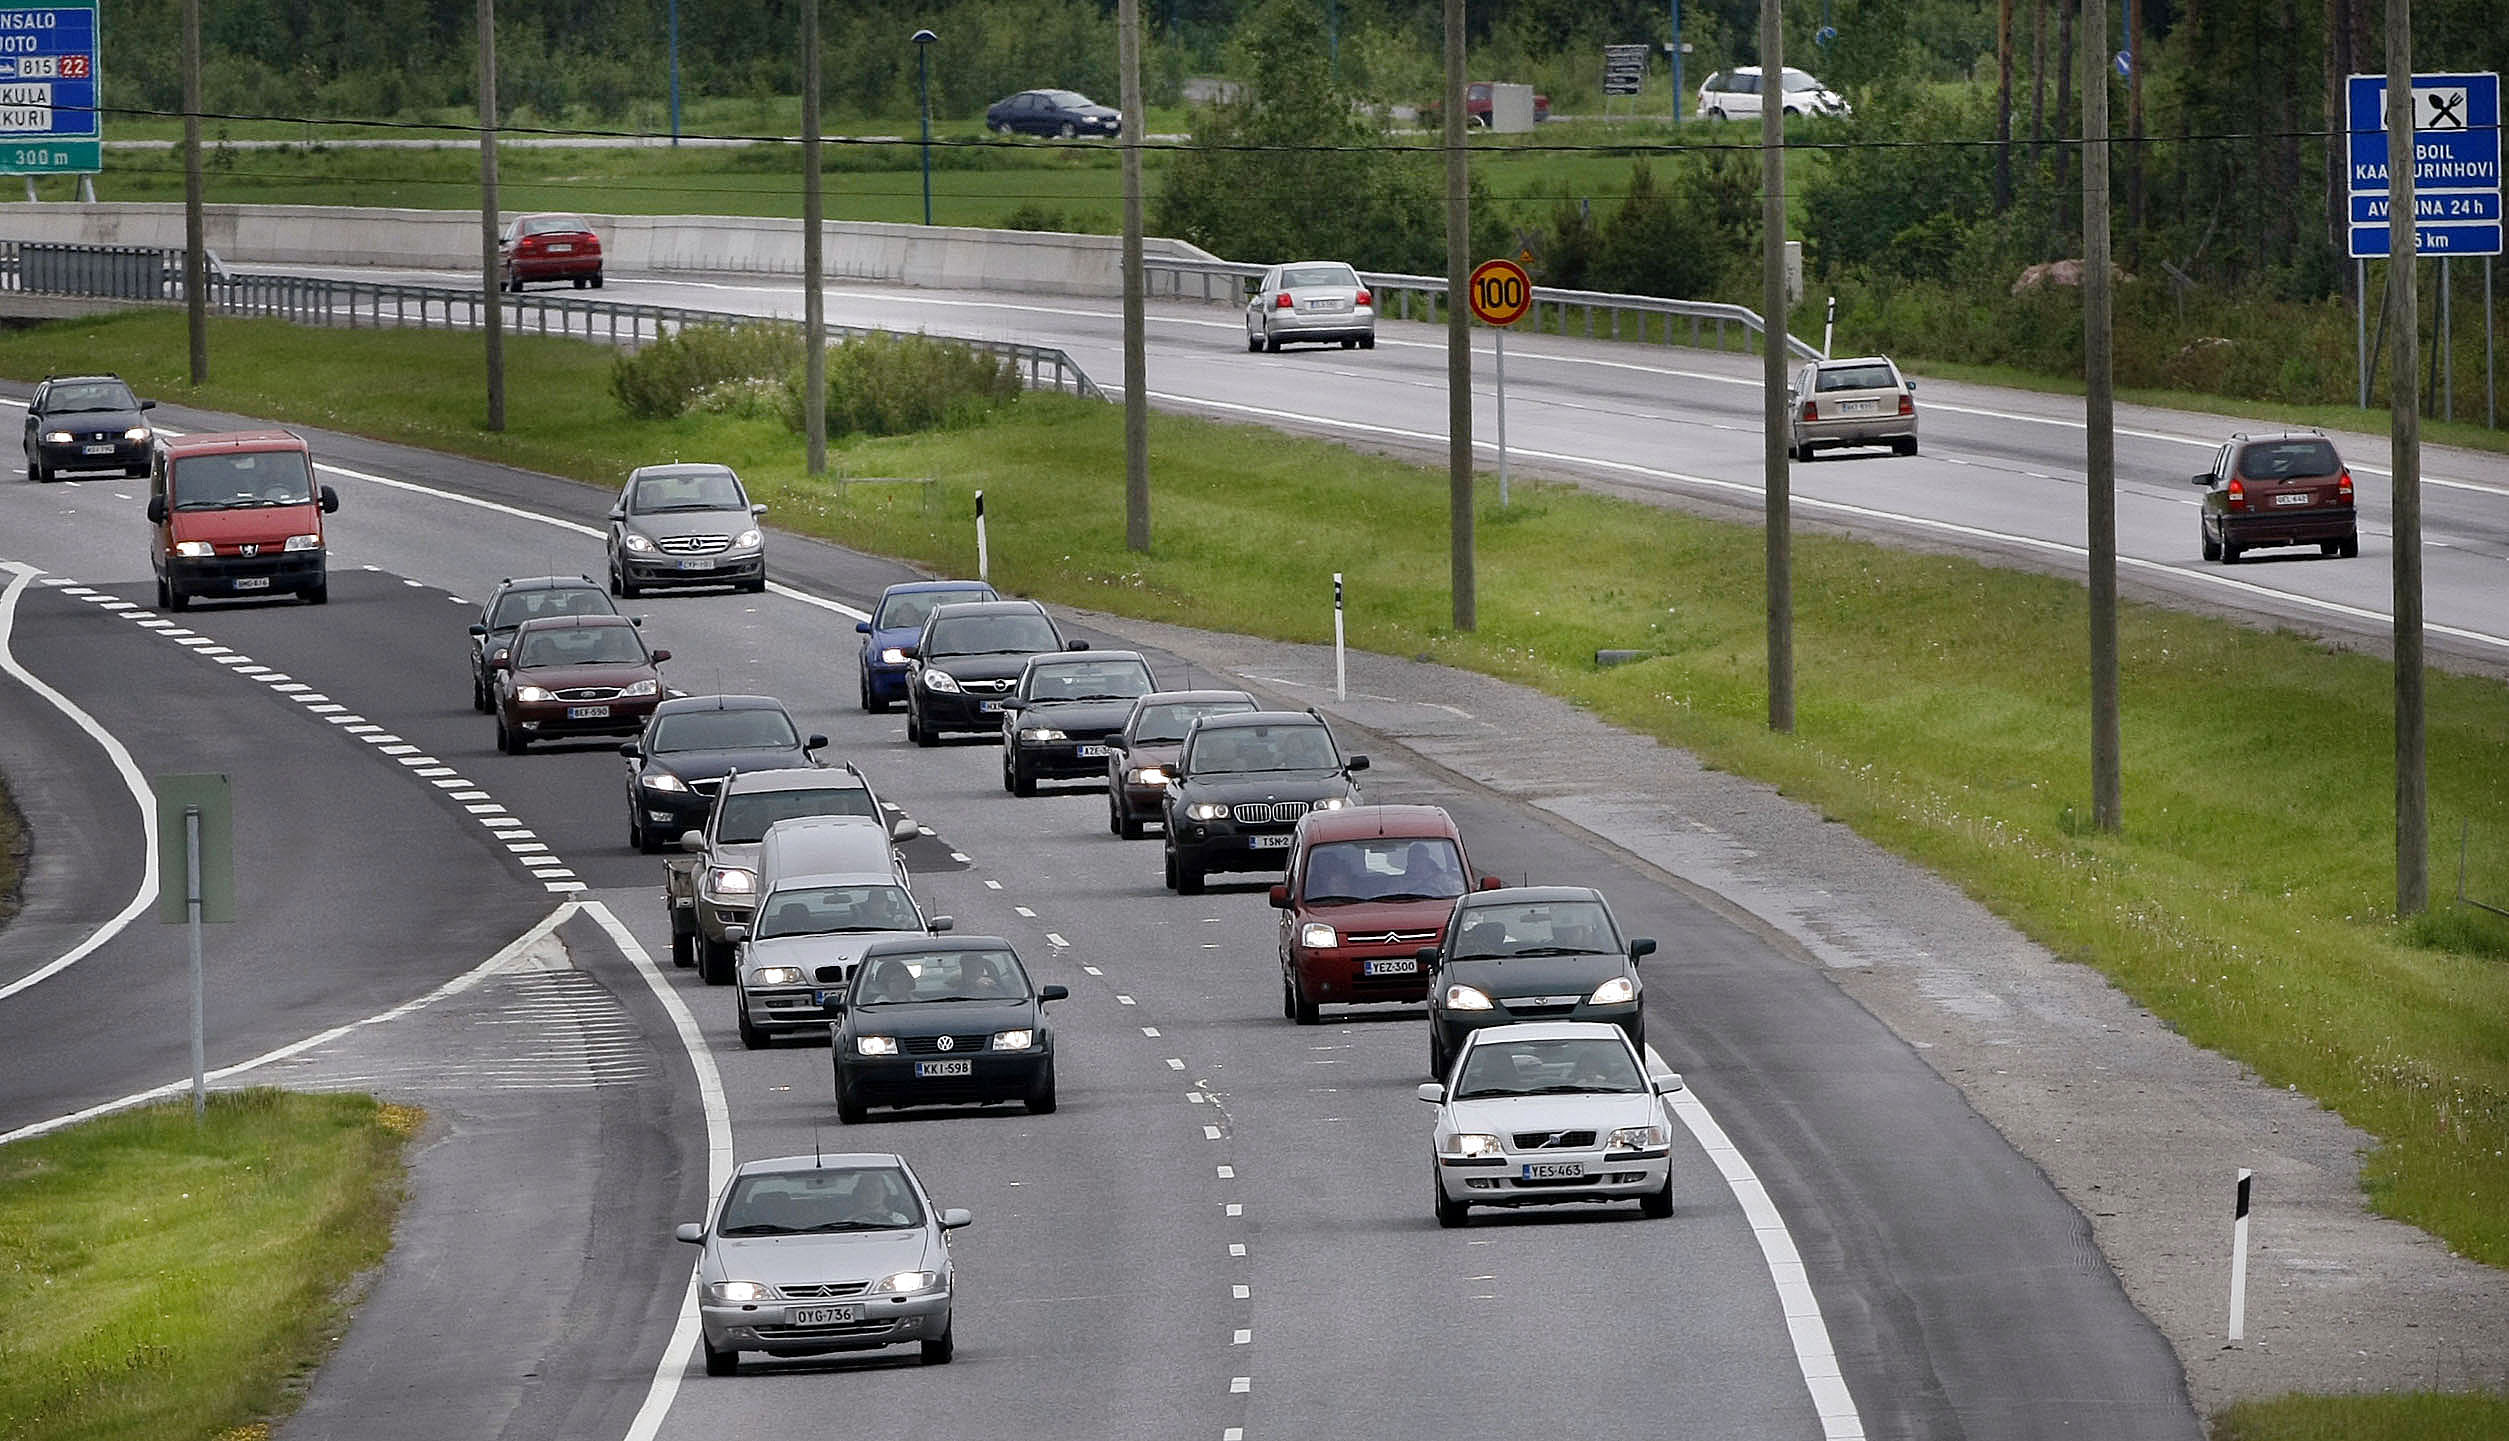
<point x="1546" y="1112"/>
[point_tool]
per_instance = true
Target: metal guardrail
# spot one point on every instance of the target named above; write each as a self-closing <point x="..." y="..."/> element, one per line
<point x="1225" y="280"/>
<point x="365" y="304"/>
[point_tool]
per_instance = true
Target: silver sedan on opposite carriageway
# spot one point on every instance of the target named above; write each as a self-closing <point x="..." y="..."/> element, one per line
<point x="1313" y="300"/>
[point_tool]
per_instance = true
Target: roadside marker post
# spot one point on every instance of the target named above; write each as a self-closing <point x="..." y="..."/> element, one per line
<point x="1829" y="327"/>
<point x="1501" y="292"/>
<point x="2239" y="1262"/>
<point x="983" y="567"/>
<point x="1341" y="686"/>
<point x="195" y="835"/>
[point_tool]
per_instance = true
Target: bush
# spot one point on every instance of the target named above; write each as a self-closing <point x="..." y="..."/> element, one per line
<point x="664" y="378"/>
<point x="899" y="384"/>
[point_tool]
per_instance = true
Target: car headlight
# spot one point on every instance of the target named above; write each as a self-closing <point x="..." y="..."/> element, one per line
<point x="1205" y="811"/>
<point x="779" y="975"/>
<point x="1614" y="991"/>
<point x="1473" y="1144"/>
<point x="907" y="1283"/>
<point x="731" y="880"/>
<point x="1146" y="776"/>
<point x="1316" y="933"/>
<point x="665" y="781"/>
<point x="1638" y="1138"/>
<point x="303" y="542"/>
<point x="194" y="548"/>
<point x="875" y="1045"/>
<point x="1014" y="1040"/>
<point x="746" y="539"/>
<point x="891" y="655"/>
<point x="1330" y="803"/>
<point x="742" y="1291"/>
<point x="633" y="541"/>
<point x="1467" y="998"/>
<point x="137" y="432"/>
<point x="939" y="680"/>
<point x="1041" y="733"/>
<point x="642" y="688"/>
<point x="57" y="437"/>
<point x="530" y="692"/>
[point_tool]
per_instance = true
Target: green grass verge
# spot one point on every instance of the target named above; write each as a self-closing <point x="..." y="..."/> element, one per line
<point x="164" y="1280"/>
<point x="1940" y="702"/>
<point x="2426" y="1417"/>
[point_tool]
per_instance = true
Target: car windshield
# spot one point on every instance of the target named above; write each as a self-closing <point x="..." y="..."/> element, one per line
<point x="1584" y="1065"/>
<point x="1298" y="277"/>
<point x="555" y="225"/>
<point x="832" y="1198"/>
<point x="2288" y="460"/>
<point x="1088" y="680"/>
<point x="830" y="910"/>
<point x="745" y="815"/>
<point x="1168" y="722"/>
<point x="1287" y="747"/>
<point x="940" y="976"/>
<point x="236" y="481"/>
<point x="1536" y="928"/>
<point x="1068" y="99"/>
<point x="724" y="730"/>
<point x="666" y="494"/>
<point x="992" y="635"/>
<point x="90" y="395"/>
<point x="1797" y="80"/>
<point x="1383" y="868"/>
<point x="906" y="609"/>
<point x="579" y="645"/>
<point x="516" y="606"/>
<point x="1855" y="377"/>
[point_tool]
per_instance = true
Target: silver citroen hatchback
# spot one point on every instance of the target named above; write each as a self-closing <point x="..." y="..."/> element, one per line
<point x="1865" y="401"/>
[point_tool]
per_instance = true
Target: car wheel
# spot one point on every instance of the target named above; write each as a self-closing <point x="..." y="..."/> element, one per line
<point x="509" y="741"/>
<point x="917" y="731"/>
<point x="1254" y="343"/>
<point x="2230" y="553"/>
<point x="1168" y="855"/>
<point x="1367" y="342"/>
<point x="1301" y="1009"/>
<point x="2212" y="548"/>
<point x="1289" y="1002"/>
<point x="165" y="596"/>
<point x="176" y="599"/>
<point x="579" y="282"/>
<point x="1272" y="343"/>
<point x="1188" y="877"/>
<point x="596" y="281"/>
<point x="751" y="1037"/>
<point x="683" y="949"/>
<point x="719" y="1363"/>
<point x="872" y="705"/>
<point x="615" y="579"/>
<point x="714" y="962"/>
<point x="757" y="586"/>
<point x="938" y="1350"/>
<point x="1905" y="447"/>
<point x="1068" y="132"/>
<point x="1114" y="812"/>
<point x="1657" y="1204"/>
<point x="1350" y="342"/>
<point x="1437" y="1053"/>
<point x="1023" y="781"/>
<point x="1040" y="1097"/>
<point x="318" y="594"/>
<point x="1134" y="827"/>
<point x="1716" y="113"/>
<point x="2329" y="548"/>
<point x="849" y="1106"/>
<point x="2350" y="546"/>
<point x="1450" y="1213"/>
<point x="479" y="696"/>
<point x="35" y="472"/>
<point x="649" y="842"/>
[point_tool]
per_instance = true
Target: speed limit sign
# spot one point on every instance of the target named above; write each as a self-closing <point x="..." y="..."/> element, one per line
<point x="1500" y="292"/>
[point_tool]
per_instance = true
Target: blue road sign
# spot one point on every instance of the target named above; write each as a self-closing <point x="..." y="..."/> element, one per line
<point x="49" y="121"/>
<point x="2456" y="164"/>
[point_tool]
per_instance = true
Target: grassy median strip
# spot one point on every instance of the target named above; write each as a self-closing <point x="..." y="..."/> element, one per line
<point x="168" y="1280"/>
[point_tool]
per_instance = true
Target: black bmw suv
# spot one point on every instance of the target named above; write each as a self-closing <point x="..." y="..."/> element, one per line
<point x="1241" y="784"/>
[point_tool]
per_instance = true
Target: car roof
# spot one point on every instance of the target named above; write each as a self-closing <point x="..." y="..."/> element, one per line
<point x="679" y="704"/>
<point x="828" y="850"/>
<point x="1229" y="719"/>
<point x="1545" y="1031"/>
<point x="796" y="778"/>
<point x="562" y="622"/>
<point x="833" y="1160"/>
<point x="82" y="379"/>
<point x="233" y="440"/>
<point x="1399" y="822"/>
<point x="680" y="467"/>
<point x="910" y="945"/>
<point x="1176" y="697"/>
<point x="1522" y="895"/>
<point x="1049" y="657"/>
<point x="985" y="607"/>
<point x="549" y="582"/>
<point x="924" y="587"/>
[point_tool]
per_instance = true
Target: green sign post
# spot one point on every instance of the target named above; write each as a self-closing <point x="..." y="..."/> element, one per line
<point x="196" y="886"/>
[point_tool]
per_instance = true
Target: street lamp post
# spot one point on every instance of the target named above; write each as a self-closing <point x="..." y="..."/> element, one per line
<point x="923" y="92"/>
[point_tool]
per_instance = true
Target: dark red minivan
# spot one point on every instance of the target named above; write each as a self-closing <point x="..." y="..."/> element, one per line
<point x="2277" y="490"/>
<point x="1369" y="887"/>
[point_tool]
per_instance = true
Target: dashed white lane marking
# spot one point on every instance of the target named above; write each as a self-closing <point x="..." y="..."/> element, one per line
<point x="1025" y="913"/>
<point x="1241" y="1292"/>
<point x="1150" y="1031"/>
<point x="1227" y="1173"/>
<point x="1239" y="1385"/>
<point x="993" y="885"/>
<point x="1235" y="1208"/>
<point x="954" y="855"/>
<point x="1243" y="1337"/>
<point x="1212" y="1133"/>
<point x="1057" y="942"/>
<point x="1197" y="1098"/>
<point x="1093" y="970"/>
<point x="1123" y="1000"/>
<point x="1176" y="1063"/>
<point x="1237" y="1248"/>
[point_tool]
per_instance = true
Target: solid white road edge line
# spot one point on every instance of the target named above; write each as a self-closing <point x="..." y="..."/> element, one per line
<point x="667" y="1372"/>
<point x="1813" y="1354"/>
<point x="141" y="794"/>
<point x="455" y="986"/>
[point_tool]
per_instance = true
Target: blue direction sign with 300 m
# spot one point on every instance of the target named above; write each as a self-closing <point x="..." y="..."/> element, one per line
<point x="49" y="123"/>
<point x="2456" y="164"/>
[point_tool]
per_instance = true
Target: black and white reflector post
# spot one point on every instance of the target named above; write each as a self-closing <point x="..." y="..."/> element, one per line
<point x="1829" y="327"/>
<point x="983" y="565"/>
<point x="1341" y="689"/>
<point x="2239" y="1261"/>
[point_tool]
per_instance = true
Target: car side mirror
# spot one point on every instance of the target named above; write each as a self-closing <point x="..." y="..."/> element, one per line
<point x="757" y="510"/>
<point x="660" y="656"/>
<point x="832" y="1007"/>
<point x="814" y="743"/>
<point x="1427" y="956"/>
<point x="1357" y="763"/>
<point x="1642" y="946"/>
<point x="862" y="627"/>
<point x="501" y="661"/>
<point x="903" y="829"/>
<point x="618" y="512"/>
<point x="1491" y="883"/>
<point x="148" y="405"/>
<point x="911" y="651"/>
<point x="736" y="934"/>
<point x="636" y="620"/>
<point x="631" y="750"/>
<point x="1279" y="896"/>
<point x="157" y="509"/>
<point x="1433" y="1092"/>
<point x="691" y="1232"/>
<point x="330" y="500"/>
<point x="1664" y="1083"/>
<point x="939" y="924"/>
<point x="1054" y="993"/>
<point x="1011" y="703"/>
<point x="478" y="630"/>
<point x="693" y="842"/>
<point x="956" y="1217"/>
<point x="2204" y="478"/>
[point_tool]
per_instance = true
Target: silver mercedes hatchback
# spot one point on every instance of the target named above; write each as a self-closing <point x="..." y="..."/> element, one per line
<point x="1313" y="300"/>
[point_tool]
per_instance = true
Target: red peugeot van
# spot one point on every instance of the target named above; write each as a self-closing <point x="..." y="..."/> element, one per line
<point x="238" y="516"/>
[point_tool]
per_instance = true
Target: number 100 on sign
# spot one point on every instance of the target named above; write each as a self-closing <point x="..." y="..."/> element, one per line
<point x="1500" y="292"/>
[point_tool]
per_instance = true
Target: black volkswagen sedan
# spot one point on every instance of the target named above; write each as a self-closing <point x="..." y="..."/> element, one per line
<point x="1532" y="953"/>
<point x="1240" y="785"/>
<point x="1065" y="113"/>
<point x="1058" y="720"/>
<point x="689" y="745"/>
<point x="940" y="1020"/>
<point x="966" y="660"/>
<point x="86" y="422"/>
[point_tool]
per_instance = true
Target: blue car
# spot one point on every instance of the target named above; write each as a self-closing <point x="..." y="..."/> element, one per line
<point x="895" y="622"/>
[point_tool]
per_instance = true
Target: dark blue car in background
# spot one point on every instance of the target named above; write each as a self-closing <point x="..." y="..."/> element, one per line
<point x="896" y="621"/>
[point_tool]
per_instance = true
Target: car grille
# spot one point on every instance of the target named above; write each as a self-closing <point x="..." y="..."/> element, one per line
<point x="995" y="687"/>
<point x="589" y="692"/>
<point x="1255" y="813"/>
<point x="1387" y="938"/>
<point x="692" y="544"/>
<point x="1543" y="1141"/>
<point x="1525" y="1007"/>
<point x="824" y="1291"/>
<point x="877" y="1326"/>
<point x="959" y="1045"/>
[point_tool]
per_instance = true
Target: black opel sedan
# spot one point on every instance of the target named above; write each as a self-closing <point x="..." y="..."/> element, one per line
<point x="966" y="660"/>
<point x="940" y="1021"/>
<point x="1058" y="721"/>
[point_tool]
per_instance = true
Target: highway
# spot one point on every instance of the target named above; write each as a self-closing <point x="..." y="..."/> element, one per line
<point x="1225" y="1229"/>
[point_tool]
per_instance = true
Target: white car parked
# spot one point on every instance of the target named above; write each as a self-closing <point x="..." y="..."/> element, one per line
<point x="1736" y="95"/>
<point x="1544" y="1112"/>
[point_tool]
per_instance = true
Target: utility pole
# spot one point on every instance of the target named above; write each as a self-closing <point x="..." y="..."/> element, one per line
<point x="814" y="305"/>
<point x="2404" y="304"/>
<point x="2100" y="413"/>
<point x="195" y="232"/>
<point x="2003" y="106"/>
<point x="1136" y="357"/>
<point x="492" y="327"/>
<point x="1775" y="427"/>
<point x="1458" y="329"/>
